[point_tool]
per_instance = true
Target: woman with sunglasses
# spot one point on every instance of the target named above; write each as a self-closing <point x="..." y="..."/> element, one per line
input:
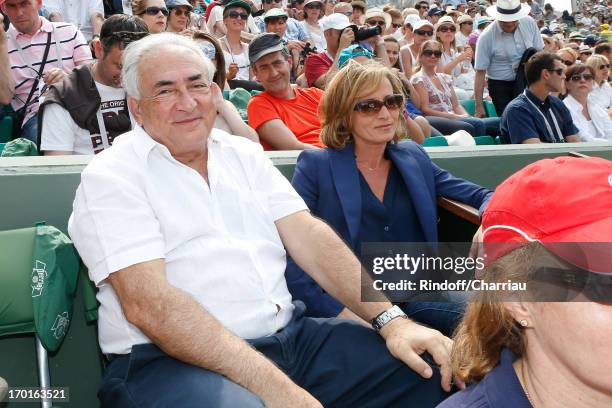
<point x="153" y="12"/>
<point x="602" y="91"/>
<point x="549" y="344"/>
<point x="236" y="52"/>
<point x="422" y="31"/>
<point x="438" y="96"/>
<point x="179" y="15"/>
<point x="452" y="61"/>
<point x="313" y="11"/>
<point x="370" y="187"/>
<point x="591" y="119"/>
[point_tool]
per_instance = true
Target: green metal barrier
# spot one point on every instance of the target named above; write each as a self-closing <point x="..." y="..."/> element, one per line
<point x="42" y="188"/>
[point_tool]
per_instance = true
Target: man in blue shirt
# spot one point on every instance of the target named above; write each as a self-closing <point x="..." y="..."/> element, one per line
<point x="535" y="116"/>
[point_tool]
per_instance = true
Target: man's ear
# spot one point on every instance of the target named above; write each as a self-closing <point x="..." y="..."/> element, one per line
<point x="134" y="107"/>
<point x="97" y="46"/>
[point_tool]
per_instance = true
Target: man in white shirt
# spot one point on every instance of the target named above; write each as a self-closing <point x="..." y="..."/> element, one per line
<point x="86" y="15"/>
<point x="86" y="111"/>
<point x="184" y="229"/>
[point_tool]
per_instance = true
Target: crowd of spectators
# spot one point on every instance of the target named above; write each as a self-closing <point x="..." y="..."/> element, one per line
<point x="447" y="54"/>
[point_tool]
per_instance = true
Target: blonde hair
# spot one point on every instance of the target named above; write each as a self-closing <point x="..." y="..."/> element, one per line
<point x="487" y="326"/>
<point x="594" y="61"/>
<point x="570" y="51"/>
<point x="409" y="10"/>
<point x="139" y="7"/>
<point x="350" y="84"/>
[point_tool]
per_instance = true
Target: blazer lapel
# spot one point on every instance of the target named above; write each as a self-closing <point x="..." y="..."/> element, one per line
<point x="345" y="177"/>
<point x="420" y="191"/>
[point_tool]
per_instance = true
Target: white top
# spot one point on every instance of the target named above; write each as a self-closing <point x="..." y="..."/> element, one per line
<point x="136" y="203"/>
<point x="242" y="59"/>
<point x="601" y="95"/>
<point x="76" y="12"/>
<point x="316" y="36"/>
<point x="499" y="53"/>
<point x="601" y="121"/>
<point x="461" y="40"/>
<point x="61" y="133"/>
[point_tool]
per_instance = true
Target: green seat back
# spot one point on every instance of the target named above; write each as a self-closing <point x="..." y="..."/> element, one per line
<point x="435" y="141"/>
<point x="90" y="302"/>
<point x="6" y="129"/>
<point x="240" y="98"/>
<point x="2" y="147"/>
<point x="489" y="109"/>
<point x="19" y="147"/>
<point x="484" y="140"/>
<point x="469" y="106"/>
<point x="226" y="94"/>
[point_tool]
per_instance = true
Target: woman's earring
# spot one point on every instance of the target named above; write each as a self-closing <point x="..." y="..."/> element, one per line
<point x="524" y="323"/>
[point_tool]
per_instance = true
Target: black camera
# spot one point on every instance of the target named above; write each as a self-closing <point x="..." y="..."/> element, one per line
<point x="363" y="34"/>
<point x="308" y="49"/>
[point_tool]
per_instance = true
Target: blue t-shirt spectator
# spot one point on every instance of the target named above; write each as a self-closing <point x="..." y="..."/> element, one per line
<point x="527" y="117"/>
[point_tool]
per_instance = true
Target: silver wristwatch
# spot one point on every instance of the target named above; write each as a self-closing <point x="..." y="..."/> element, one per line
<point x="385" y="317"/>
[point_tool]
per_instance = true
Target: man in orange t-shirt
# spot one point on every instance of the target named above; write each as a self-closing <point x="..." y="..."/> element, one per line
<point x="284" y="117"/>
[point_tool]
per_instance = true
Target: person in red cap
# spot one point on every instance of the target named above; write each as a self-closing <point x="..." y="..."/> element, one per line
<point x="549" y="344"/>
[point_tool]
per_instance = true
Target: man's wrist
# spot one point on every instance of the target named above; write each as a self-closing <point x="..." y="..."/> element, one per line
<point x="387" y="316"/>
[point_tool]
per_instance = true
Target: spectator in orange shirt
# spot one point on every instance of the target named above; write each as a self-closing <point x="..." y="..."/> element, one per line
<point x="285" y="117"/>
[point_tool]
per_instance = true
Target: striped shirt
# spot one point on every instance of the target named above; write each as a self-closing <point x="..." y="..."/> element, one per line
<point x="73" y="49"/>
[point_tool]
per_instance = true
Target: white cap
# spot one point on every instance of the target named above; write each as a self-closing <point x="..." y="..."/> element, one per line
<point x="337" y="21"/>
<point x="411" y="19"/>
<point x="422" y="23"/>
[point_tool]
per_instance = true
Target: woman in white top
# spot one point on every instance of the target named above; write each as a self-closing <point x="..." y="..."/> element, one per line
<point x="453" y="62"/>
<point x="602" y="92"/>
<point x="313" y="10"/>
<point x="235" y="51"/>
<point x="437" y="96"/>
<point x="591" y="120"/>
<point x="422" y="31"/>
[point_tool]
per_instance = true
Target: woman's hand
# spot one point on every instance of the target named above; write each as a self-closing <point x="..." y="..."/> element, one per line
<point x="232" y="71"/>
<point x="467" y="54"/>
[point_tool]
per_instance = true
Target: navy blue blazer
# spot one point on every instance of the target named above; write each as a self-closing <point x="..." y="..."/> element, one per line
<point x="328" y="181"/>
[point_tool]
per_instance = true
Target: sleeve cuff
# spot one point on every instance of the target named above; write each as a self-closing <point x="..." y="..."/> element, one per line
<point x="124" y="259"/>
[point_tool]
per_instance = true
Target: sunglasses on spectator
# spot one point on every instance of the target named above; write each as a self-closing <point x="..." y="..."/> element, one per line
<point x="558" y="71"/>
<point x="421" y="6"/>
<point x="422" y="32"/>
<point x="586" y="52"/>
<point x="567" y="62"/>
<point x="467" y="22"/>
<point x="273" y="1"/>
<point x="430" y="53"/>
<point x="235" y="15"/>
<point x="275" y="20"/>
<point x="153" y="11"/>
<point x="371" y="106"/>
<point x="372" y="23"/>
<point x="567" y="284"/>
<point x="396" y="26"/>
<point x="578" y="78"/>
<point x="179" y="12"/>
<point x="313" y="6"/>
<point x="447" y="29"/>
<point x="605" y="66"/>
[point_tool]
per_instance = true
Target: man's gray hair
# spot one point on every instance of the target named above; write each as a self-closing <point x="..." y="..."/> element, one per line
<point x="134" y="53"/>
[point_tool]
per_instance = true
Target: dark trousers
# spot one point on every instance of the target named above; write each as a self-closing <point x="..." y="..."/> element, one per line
<point x="502" y="92"/>
<point x="341" y="363"/>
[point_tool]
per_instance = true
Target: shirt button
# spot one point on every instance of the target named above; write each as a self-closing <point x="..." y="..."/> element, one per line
<point x="386" y="228"/>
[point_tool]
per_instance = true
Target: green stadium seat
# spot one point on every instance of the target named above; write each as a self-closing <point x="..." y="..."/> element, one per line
<point x="484" y="140"/>
<point x="6" y="129"/>
<point x="435" y="141"/>
<point x="469" y="106"/>
<point x="490" y="109"/>
<point x="255" y="92"/>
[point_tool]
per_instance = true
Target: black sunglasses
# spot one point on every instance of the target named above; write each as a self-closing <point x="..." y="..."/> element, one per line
<point x="558" y="71"/>
<point x="313" y="6"/>
<point x="179" y="12"/>
<point x="421" y="6"/>
<point x="578" y="77"/>
<point x="429" y="53"/>
<point x="272" y="1"/>
<point x="596" y="287"/>
<point x="567" y="62"/>
<point x="235" y="14"/>
<point x="391" y="102"/>
<point x="153" y="11"/>
<point x="422" y="32"/>
<point x="447" y="29"/>
<point x="604" y="66"/>
<point x="467" y="22"/>
<point x="396" y="25"/>
<point x="374" y="23"/>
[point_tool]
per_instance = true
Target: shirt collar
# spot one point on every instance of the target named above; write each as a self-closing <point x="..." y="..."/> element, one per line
<point x="537" y="100"/>
<point x="503" y="387"/>
<point x="46" y="27"/>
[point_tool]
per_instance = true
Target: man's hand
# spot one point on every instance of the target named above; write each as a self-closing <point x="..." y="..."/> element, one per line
<point x="346" y="39"/>
<point x="296" y="45"/>
<point x="407" y="340"/>
<point x="53" y="75"/>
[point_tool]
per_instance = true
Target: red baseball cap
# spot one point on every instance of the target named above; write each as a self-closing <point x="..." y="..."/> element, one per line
<point x="564" y="203"/>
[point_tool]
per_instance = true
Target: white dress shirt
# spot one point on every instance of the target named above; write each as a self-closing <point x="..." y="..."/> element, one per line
<point x="136" y="203"/>
<point x="601" y="95"/>
<point x="600" y="127"/>
<point x="77" y="12"/>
